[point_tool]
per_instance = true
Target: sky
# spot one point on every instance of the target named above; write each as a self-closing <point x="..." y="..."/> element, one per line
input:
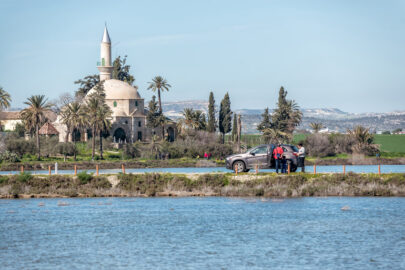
<point x="346" y="54"/>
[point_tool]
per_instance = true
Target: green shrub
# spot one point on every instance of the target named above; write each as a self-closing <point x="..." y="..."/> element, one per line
<point x="113" y="156"/>
<point x="8" y="156"/>
<point x="20" y="146"/>
<point x="66" y="149"/>
<point x="3" y="180"/>
<point x="131" y="150"/>
<point x="84" y="177"/>
<point x="24" y="177"/>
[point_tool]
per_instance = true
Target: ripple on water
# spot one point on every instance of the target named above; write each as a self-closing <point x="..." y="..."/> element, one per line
<point x="232" y="233"/>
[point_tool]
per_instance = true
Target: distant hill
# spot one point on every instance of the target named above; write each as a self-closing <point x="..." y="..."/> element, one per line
<point x="332" y="118"/>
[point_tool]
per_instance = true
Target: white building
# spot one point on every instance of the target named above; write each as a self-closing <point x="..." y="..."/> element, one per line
<point x="129" y="115"/>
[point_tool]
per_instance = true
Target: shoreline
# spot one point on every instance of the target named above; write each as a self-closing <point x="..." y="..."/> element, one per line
<point x="196" y="185"/>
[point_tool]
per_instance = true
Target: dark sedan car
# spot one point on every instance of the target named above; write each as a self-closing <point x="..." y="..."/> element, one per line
<point x="262" y="157"/>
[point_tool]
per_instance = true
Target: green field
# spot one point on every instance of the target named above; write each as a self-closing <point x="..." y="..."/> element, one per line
<point x="389" y="143"/>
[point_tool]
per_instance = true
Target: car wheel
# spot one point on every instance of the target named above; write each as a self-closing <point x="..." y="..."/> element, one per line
<point x="240" y="165"/>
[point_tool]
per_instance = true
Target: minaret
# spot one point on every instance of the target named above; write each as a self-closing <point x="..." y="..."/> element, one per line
<point x="104" y="66"/>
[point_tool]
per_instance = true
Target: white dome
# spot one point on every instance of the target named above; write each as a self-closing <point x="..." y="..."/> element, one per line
<point x="116" y="89"/>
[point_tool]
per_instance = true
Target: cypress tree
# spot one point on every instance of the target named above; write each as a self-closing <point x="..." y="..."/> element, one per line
<point x="225" y="116"/>
<point x="266" y="122"/>
<point x="152" y="118"/>
<point x="212" y="125"/>
<point x="281" y="115"/>
<point x="287" y="114"/>
<point x="235" y="128"/>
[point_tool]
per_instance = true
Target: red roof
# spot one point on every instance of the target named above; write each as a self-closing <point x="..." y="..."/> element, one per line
<point x="48" y="129"/>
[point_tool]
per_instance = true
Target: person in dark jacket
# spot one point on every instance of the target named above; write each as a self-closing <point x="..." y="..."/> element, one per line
<point x="283" y="164"/>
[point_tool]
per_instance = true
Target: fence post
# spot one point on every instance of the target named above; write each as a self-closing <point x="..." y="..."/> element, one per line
<point x="344" y="169"/>
<point x="75" y="170"/>
<point x="288" y="168"/>
<point x="379" y="169"/>
<point x="257" y="169"/>
<point x="22" y="168"/>
<point x="314" y="168"/>
<point x="96" y="169"/>
<point x="123" y="168"/>
<point x="236" y="169"/>
<point x="49" y="170"/>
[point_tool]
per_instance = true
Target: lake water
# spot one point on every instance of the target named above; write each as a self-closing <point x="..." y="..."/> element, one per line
<point x="203" y="233"/>
<point x="319" y="169"/>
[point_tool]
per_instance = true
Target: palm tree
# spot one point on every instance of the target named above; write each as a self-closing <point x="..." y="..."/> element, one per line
<point x="92" y="106"/>
<point x="159" y="84"/>
<point x="98" y="115"/>
<point x="34" y="115"/>
<point x="74" y="118"/>
<point x="361" y="135"/>
<point x="187" y="122"/>
<point x="5" y="99"/>
<point x="273" y="135"/>
<point x="162" y="121"/>
<point x="364" y="140"/>
<point x="316" y="126"/>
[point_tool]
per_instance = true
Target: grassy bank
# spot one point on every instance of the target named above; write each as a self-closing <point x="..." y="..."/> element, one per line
<point x="108" y="164"/>
<point x="185" y="163"/>
<point x="267" y="185"/>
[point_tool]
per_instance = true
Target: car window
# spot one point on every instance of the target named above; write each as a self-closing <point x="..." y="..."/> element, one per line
<point x="260" y="150"/>
<point x="294" y="148"/>
<point x="285" y="149"/>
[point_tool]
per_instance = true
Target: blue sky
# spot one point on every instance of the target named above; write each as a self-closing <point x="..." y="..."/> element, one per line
<point x="348" y="54"/>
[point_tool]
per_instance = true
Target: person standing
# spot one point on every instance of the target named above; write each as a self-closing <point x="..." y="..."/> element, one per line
<point x="277" y="153"/>
<point x="283" y="164"/>
<point x="301" y="157"/>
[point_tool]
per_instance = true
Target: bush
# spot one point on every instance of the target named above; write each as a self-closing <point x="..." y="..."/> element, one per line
<point x="49" y="146"/>
<point x="196" y="144"/>
<point x="8" y="156"/>
<point x="342" y="143"/>
<point x="24" y="177"/>
<point x="84" y="177"/>
<point x="131" y="150"/>
<point x="319" y="145"/>
<point x="66" y="149"/>
<point x="20" y="146"/>
<point x="19" y="130"/>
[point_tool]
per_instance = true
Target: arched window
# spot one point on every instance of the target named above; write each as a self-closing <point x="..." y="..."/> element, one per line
<point x="115" y="103"/>
<point x="136" y="103"/>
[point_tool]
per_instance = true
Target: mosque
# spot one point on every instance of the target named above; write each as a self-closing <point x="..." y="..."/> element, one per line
<point x="129" y="113"/>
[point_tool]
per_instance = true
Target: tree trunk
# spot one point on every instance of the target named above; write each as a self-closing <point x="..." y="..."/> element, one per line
<point x="101" y="145"/>
<point x="163" y="132"/>
<point x="38" y="145"/>
<point x="93" y="142"/>
<point x="74" y="153"/>
<point x="223" y="138"/>
<point x="239" y="132"/>
<point x="67" y="134"/>
<point x="160" y="102"/>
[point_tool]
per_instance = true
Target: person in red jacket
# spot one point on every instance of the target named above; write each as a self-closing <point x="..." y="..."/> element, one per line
<point x="278" y="152"/>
